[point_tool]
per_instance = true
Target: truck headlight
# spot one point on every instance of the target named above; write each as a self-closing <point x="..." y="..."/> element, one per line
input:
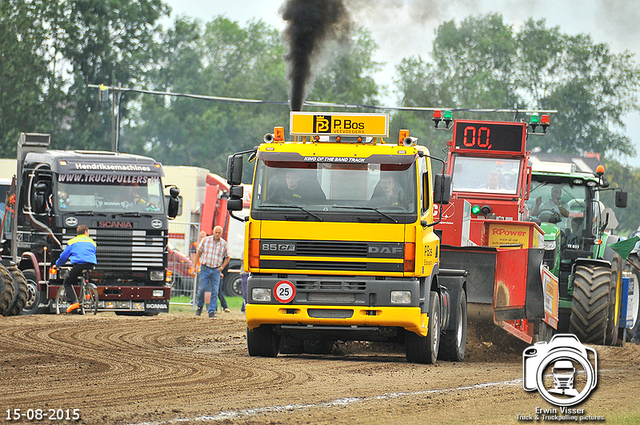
<point x="400" y="297"/>
<point x="261" y="294"/>
<point x="549" y="245"/>
<point x="156" y="275"/>
<point x="157" y="293"/>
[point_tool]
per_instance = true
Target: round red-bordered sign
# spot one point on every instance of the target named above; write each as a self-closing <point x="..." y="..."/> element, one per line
<point x="284" y="291"/>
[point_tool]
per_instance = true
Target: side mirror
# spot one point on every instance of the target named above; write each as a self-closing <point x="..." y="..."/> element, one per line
<point x="442" y="189"/>
<point x="234" y="170"/>
<point x="175" y="203"/>
<point x="41" y="190"/>
<point x="236" y="194"/>
<point x="621" y="199"/>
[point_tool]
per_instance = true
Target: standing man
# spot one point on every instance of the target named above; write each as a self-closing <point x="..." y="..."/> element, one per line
<point x="81" y="251"/>
<point x="215" y="257"/>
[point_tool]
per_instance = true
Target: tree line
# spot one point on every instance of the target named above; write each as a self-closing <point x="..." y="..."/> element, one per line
<point x="51" y="51"/>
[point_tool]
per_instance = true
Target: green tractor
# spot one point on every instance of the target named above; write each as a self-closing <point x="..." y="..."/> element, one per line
<point x="566" y="204"/>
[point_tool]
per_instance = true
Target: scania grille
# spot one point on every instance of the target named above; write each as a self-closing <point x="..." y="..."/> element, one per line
<point x="128" y="250"/>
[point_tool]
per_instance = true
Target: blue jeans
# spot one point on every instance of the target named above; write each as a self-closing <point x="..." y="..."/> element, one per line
<point x="245" y="279"/>
<point x="209" y="281"/>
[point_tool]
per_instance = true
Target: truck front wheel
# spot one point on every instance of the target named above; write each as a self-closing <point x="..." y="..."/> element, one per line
<point x="263" y="341"/>
<point x="424" y="349"/>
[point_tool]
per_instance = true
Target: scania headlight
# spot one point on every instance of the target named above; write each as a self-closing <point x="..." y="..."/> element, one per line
<point x="400" y="297"/>
<point x="549" y="245"/>
<point x="156" y="275"/>
<point x="261" y="294"/>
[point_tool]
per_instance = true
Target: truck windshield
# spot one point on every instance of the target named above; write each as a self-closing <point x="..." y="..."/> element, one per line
<point x="109" y="193"/>
<point x="390" y="188"/>
<point x="490" y="175"/>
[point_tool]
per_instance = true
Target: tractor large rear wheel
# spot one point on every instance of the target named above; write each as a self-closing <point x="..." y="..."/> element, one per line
<point x="20" y="285"/>
<point x="7" y="290"/>
<point x="590" y="306"/>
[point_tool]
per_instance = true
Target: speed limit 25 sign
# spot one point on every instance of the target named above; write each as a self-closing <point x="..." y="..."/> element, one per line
<point x="284" y="291"/>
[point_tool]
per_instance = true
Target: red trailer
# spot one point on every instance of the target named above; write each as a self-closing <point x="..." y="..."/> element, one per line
<point x="485" y="229"/>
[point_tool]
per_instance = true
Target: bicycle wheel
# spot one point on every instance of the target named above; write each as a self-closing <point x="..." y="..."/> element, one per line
<point x="61" y="301"/>
<point x="91" y="298"/>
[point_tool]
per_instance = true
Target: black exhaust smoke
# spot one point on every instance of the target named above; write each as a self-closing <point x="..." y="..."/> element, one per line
<point x="310" y="24"/>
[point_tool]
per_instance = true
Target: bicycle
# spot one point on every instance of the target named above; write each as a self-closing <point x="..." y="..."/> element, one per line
<point x="88" y="297"/>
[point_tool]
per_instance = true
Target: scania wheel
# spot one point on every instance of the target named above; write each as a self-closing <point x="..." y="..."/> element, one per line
<point x="34" y="296"/>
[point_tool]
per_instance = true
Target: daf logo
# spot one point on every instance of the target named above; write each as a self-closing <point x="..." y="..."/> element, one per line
<point x="156" y="223"/>
<point x="71" y="221"/>
<point x="385" y="250"/>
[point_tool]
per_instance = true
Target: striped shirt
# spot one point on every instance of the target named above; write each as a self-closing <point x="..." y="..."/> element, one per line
<point x="213" y="254"/>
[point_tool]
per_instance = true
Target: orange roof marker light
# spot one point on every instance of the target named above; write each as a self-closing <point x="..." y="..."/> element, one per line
<point x="278" y="134"/>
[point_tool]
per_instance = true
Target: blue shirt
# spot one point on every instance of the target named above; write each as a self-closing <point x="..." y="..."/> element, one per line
<point x="80" y="250"/>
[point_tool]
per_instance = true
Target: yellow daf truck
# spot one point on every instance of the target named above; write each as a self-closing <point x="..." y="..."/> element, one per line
<point x="340" y="243"/>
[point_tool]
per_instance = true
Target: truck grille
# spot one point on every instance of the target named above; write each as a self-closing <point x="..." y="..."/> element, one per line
<point x="128" y="250"/>
<point x="331" y="249"/>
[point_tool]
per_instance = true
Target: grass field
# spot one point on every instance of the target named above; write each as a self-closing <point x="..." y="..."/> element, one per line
<point x="180" y="305"/>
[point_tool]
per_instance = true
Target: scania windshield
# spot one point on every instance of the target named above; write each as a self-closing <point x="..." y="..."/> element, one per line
<point x="299" y="190"/>
<point x="109" y="193"/>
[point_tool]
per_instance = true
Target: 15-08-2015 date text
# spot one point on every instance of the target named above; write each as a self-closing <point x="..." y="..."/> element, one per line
<point x="42" y="414"/>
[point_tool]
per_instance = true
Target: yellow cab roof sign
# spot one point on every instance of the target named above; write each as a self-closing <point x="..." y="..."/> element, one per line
<point x="337" y="124"/>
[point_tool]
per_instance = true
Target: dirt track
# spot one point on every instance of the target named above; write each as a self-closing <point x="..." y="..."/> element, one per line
<point x="181" y="368"/>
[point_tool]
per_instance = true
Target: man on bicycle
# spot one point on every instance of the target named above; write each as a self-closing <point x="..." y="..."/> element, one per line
<point x="81" y="251"/>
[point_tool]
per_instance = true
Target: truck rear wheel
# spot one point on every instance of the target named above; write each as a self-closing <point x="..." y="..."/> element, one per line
<point x="34" y="296"/>
<point x="7" y="290"/>
<point x="20" y="295"/>
<point x="263" y="341"/>
<point x="454" y="341"/>
<point x="590" y="305"/>
<point x="424" y="349"/>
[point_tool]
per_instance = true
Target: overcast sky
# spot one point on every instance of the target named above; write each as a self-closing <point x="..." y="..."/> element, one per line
<point x="405" y="28"/>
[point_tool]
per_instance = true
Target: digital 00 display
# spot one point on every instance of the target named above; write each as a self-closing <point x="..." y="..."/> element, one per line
<point x="489" y="136"/>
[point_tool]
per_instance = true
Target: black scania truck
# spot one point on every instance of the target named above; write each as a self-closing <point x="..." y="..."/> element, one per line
<point x="120" y="197"/>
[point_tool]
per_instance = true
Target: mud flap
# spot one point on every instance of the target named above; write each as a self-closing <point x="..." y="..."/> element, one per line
<point x="451" y="287"/>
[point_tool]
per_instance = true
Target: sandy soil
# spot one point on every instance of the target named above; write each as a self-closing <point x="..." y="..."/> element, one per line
<point x="181" y="368"/>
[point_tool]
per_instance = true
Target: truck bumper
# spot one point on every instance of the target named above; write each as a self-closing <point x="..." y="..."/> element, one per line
<point x="408" y="318"/>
